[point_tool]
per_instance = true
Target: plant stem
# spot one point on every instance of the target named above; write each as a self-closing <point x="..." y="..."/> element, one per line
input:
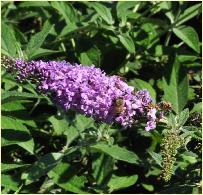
<point x="35" y="105"/>
<point x="18" y="190"/>
<point x="168" y="36"/>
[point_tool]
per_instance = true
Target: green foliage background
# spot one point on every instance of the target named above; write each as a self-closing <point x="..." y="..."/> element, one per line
<point x="155" y="45"/>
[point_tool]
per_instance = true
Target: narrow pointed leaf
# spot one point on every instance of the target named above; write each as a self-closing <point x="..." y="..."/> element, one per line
<point x="127" y="42"/>
<point x="175" y="85"/>
<point x="117" y="153"/>
<point x="37" y="40"/>
<point x="189" y="36"/>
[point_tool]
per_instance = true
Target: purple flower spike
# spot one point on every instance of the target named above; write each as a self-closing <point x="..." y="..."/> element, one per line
<point x="88" y="90"/>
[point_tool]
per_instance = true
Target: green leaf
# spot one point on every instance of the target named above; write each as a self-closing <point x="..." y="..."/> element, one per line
<point x="4" y="52"/>
<point x="150" y="38"/>
<point x="65" y="175"/>
<point x="82" y="122"/>
<point x="185" y="57"/>
<point x="12" y="106"/>
<point x="103" y="11"/>
<point x="102" y="167"/>
<point x="192" y="131"/>
<point x="71" y="133"/>
<point x="190" y="157"/>
<point x="189" y="36"/>
<point x="37" y="40"/>
<point x="34" y="4"/>
<point x="14" y="132"/>
<point x="28" y="145"/>
<point x="8" y="41"/>
<point x="127" y="42"/>
<point x="153" y="171"/>
<point x="175" y="85"/>
<point x="9" y="84"/>
<point x="120" y="182"/>
<point x="191" y="93"/>
<point x="11" y="123"/>
<point x="47" y="186"/>
<point x="140" y="84"/>
<point x="60" y="126"/>
<point x="123" y="7"/>
<point x="9" y="96"/>
<point x="43" y="52"/>
<point x="117" y="153"/>
<point x="7" y="167"/>
<point x="148" y="187"/>
<point x="67" y="11"/>
<point x="41" y="167"/>
<point x="10" y="182"/>
<point x="197" y="108"/>
<point x="189" y="13"/>
<point x="184" y="115"/>
<point x="167" y="6"/>
<point x="90" y="57"/>
<point x="17" y="111"/>
<point x="171" y="120"/>
<point x="69" y="32"/>
<point x="157" y="157"/>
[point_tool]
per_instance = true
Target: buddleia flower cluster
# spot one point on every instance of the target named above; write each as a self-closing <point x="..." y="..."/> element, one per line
<point x="87" y="90"/>
<point x="169" y="148"/>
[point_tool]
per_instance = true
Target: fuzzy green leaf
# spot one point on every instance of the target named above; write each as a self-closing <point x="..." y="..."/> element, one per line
<point x="197" y="108"/>
<point x="8" y="41"/>
<point x="157" y="157"/>
<point x="103" y="11"/>
<point x="67" y="11"/>
<point x="37" y="40"/>
<point x="184" y="115"/>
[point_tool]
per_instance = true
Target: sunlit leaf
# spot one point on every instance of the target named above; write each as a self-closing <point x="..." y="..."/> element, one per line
<point x="189" y="13"/>
<point x="189" y="36"/>
<point x="7" y="167"/>
<point x="103" y="11"/>
<point x="65" y="175"/>
<point x="175" y="85"/>
<point x="119" y="182"/>
<point x="127" y="42"/>
<point x="117" y="153"/>
<point x="38" y="39"/>
<point x="14" y="132"/>
<point x="41" y="167"/>
<point x="8" y="41"/>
